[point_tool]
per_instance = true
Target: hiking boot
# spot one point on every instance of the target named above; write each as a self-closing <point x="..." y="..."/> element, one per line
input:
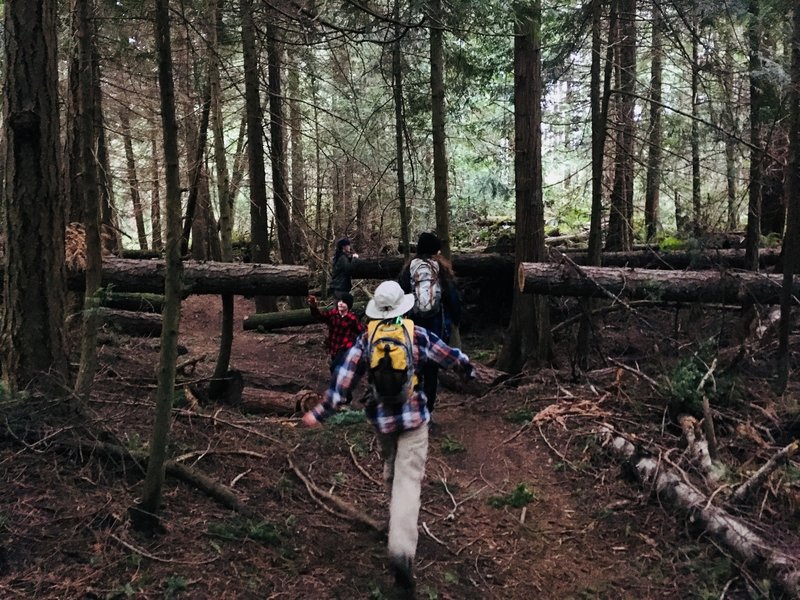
<point x="400" y="566"/>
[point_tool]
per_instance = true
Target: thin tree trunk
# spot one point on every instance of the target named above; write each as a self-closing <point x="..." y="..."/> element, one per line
<point x="91" y="198"/>
<point x="297" y="158"/>
<point x="753" y="234"/>
<point x="133" y="180"/>
<point x="397" y="88"/>
<point x="653" y="185"/>
<point x="438" y="118"/>
<point x="697" y="216"/>
<point x="155" y="195"/>
<point x="259" y="244"/>
<point x="145" y="513"/>
<point x="196" y="170"/>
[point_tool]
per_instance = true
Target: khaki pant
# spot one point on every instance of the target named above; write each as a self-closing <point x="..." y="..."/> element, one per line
<point x="404" y="456"/>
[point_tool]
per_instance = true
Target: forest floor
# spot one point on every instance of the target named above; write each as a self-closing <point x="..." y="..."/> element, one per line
<point x="520" y="500"/>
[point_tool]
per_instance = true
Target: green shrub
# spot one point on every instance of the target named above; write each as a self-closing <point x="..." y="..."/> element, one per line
<point x="518" y="497"/>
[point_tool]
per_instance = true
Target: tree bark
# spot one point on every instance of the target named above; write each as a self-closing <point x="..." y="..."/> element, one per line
<point x="259" y="244"/>
<point x="285" y="318"/>
<point x="527" y="339"/>
<point x="203" y="277"/>
<point x="671" y="286"/>
<point x="753" y="238"/>
<point x="653" y="184"/>
<point x="441" y="198"/>
<point x="155" y="196"/>
<point x="133" y="179"/>
<point x="399" y="125"/>
<point x="34" y="212"/>
<point x="91" y="199"/>
<point x="697" y="217"/>
<point x="144" y="515"/>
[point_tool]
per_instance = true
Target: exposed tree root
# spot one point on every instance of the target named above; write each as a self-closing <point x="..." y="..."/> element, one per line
<point x="734" y="535"/>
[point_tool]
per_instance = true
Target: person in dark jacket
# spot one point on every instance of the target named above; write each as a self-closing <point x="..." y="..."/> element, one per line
<point x="342" y="269"/>
<point x="448" y="312"/>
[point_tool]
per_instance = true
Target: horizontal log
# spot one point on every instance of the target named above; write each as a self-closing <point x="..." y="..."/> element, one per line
<point x="153" y="303"/>
<point x="246" y="279"/>
<point x="651" y="284"/>
<point x="286" y="318"/>
<point x="498" y="266"/>
<point x="132" y="323"/>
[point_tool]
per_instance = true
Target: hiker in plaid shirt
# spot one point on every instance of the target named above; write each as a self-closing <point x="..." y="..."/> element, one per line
<point x="402" y="428"/>
<point x="344" y="327"/>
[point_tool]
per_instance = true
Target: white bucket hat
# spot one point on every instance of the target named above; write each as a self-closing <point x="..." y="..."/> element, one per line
<point x="389" y="301"/>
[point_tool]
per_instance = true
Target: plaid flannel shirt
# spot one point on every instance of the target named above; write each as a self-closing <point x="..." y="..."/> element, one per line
<point x="342" y="330"/>
<point x="428" y="348"/>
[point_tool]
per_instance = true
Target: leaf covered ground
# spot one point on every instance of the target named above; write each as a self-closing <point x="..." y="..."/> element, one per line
<point x="520" y="500"/>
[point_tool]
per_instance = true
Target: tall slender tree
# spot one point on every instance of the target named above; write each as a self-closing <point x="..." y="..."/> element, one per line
<point x="34" y="283"/>
<point x="438" y="112"/>
<point x="145" y="513"/>
<point x="753" y="234"/>
<point x="527" y="339"/>
<point x="399" y="125"/>
<point x="87" y="183"/>
<point x="653" y="185"/>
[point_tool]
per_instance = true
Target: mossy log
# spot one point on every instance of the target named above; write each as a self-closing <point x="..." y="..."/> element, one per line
<point x="651" y="284"/>
<point x="130" y="322"/>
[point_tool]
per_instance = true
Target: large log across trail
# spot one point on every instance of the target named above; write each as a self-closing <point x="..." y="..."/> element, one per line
<point x="651" y="284"/>
<point x="501" y="266"/>
<point x="287" y="318"/>
<point x="246" y="279"/>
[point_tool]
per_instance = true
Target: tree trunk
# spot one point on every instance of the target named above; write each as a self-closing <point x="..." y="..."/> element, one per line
<point x="697" y="217"/>
<point x="83" y="9"/>
<point x="791" y="242"/>
<point x="133" y="180"/>
<point x="155" y="195"/>
<point x="753" y="238"/>
<point x="71" y="161"/>
<point x="438" y="118"/>
<point x="653" y="185"/>
<point x="217" y="385"/>
<point x="197" y="146"/>
<point x="34" y="210"/>
<point x="527" y="338"/>
<point x="620" y="234"/>
<point x="399" y="125"/>
<point x="285" y="318"/>
<point x="725" y="287"/>
<point x="259" y="244"/>
<point x="144" y="515"/>
<point x="297" y="160"/>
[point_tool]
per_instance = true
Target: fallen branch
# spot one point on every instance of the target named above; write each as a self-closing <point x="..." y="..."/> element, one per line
<point x="759" y="477"/>
<point x="697" y="447"/>
<point x="350" y="511"/>
<point x="731" y="533"/>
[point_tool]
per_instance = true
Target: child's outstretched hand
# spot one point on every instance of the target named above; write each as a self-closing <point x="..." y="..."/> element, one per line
<point x="310" y="421"/>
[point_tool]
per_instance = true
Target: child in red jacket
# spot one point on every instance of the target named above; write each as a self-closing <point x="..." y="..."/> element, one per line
<point x="344" y="327"/>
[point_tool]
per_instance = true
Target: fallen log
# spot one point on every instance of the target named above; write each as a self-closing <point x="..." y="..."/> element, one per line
<point x="652" y="258"/>
<point x="669" y="485"/>
<point x="246" y="279"/>
<point x="498" y="266"/>
<point x="153" y="303"/>
<point x="286" y="318"/>
<point x="278" y="403"/>
<point x="651" y="284"/>
<point x="131" y="323"/>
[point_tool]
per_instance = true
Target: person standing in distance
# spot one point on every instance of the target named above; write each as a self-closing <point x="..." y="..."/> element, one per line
<point x="341" y="275"/>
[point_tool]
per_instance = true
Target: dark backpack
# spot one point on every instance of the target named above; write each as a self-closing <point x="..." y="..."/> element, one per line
<point x="390" y="370"/>
<point x="426" y="286"/>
